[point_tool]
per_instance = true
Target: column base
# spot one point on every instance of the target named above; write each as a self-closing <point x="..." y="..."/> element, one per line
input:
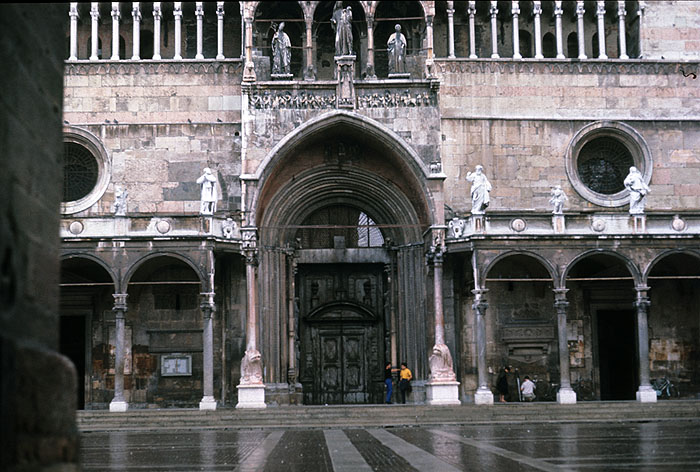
<point x="251" y="396"/>
<point x="442" y="393"/>
<point x="207" y="403"/>
<point x="118" y="406"/>
<point x="483" y="396"/>
<point x="566" y="396"/>
<point x="646" y="395"/>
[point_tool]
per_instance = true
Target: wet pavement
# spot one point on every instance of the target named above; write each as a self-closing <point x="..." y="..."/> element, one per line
<point x="639" y="446"/>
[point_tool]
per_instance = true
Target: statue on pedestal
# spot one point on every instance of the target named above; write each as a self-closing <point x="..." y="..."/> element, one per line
<point x="634" y="182"/>
<point x="342" y="23"/>
<point x="281" y="51"/>
<point x="251" y="368"/>
<point x="441" y="368"/>
<point x="557" y="200"/>
<point x="396" y="47"/>
<point x="480" y="190"/>
<point x="208" y="195"/>
<point x="120" y="196"/>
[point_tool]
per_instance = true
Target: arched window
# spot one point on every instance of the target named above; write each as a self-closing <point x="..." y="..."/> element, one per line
<point x="549" y="46"/>
<point x="572" y="45"/>
<point x="525" y="41"/>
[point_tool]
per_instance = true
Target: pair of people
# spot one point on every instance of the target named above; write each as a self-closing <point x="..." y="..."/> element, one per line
<point x="527" y="388"/>
<point x="405" y="377"/>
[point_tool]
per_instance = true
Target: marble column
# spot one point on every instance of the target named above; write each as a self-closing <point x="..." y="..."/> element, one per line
<point x="95" y="39"/>
<point x="645" y="394"/>
<point x="370" y="73"/>
<point x="494" y="29"/>
<point x="515" y="11"/>
<point x="73" y="14"/>
<point x="558" y="12"/>
<point x="430" y="59"/>
<point x="309" y="73"/>
<point x="537" y="12"/>
<point x="472" y="29"/>
<point x="118" y="403"/>
<point x="442" y="387"/>
<point x="251" y="389"/>
<point x="115" y="31"/>
<point x="565" y="394"/>
<point x="177" y="15"/>
<point x="157" y="16"/>
<point x="219" y="31"/>
<point x="483" y="395"/>
<point x="580" y="11"/>
<point x="451" y="30"/>
<point x="208" y="401"/>
<point x="249" y="66"/>
<point x="136" y="31"/>
<point x="600" y="14"/>
<point x="640" y="30"/>
<point x="199" y="13"/>
<point x="621" y="16"/>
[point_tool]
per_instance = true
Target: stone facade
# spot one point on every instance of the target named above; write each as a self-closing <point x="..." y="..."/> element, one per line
<point x="359" y="178"/>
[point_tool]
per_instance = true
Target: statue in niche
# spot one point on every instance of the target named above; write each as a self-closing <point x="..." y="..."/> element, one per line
<point x="341" y="21"/>
<point x="441" y="369"/>
<point x="251" y="368"/>
<point x="120" y="196"/>
<point x="208" y="196"/>
<point x="396" y="47"/>
<point x="281" y="51"/>
<point x="457" y="227"/>
<point x="557" y="200"/>
<point x="480" y="190"/>
<point x="634" y="182"/>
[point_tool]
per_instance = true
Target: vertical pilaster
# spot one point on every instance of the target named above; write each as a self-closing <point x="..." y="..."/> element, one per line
<point x="292" y="373"/>
<point x="249" y="67"/>
<point x="309" y="73"/>
<point x="199" y="13"/>
<point x="207" y="306"/>
<point x="621" y="16"/>
<point x="483" y="395"/>
<point x="95" y="17"/>
<point x="219" y="31"/>
<point x="136" y="31"/>
<point x="451" y="29"/>
<point x="430" y="60"/>
<point x="646" y="393"/>
<point x="537" y="12"/>
<point x="115" y="31"/>
<point x="177" y="15"/>
<point x="494" y="31"/>
<point x="515" y="11"/>
<point x="558" y="12"/>
<point x="157" y="16"/>
<point x="565" y="393"/>
<point x="580" y="10"/>
<point x="600" y="14"/>
<point x="73" y="14"/>
<point x="370" y="74"/>
<point x="118" y="403"/>
<point x="472" y="29"/>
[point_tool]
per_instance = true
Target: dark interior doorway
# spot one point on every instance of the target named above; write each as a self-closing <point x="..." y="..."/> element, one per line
<point x="617" y="354"/>
<point x="72" y="345"/>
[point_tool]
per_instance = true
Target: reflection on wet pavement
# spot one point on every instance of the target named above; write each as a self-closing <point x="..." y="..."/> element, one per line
<point x="667" y="445"/>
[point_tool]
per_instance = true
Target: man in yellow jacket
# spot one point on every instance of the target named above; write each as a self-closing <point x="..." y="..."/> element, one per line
<point x="405" y="377"/>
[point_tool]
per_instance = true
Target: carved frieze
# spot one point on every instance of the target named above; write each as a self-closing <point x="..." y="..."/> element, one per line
<point x="276" y="100"/>
<point x="388" y="99"/>
<point x="550" y="67"/>
<point x="137" y="67"/>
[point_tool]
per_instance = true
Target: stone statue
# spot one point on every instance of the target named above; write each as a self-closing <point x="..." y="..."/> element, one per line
<point x="634" y="182"/>
<point x="480" y="190"/>
<point x="456" y="225"/>
<point x="342" y="23"/>
<point x="396" y="47"/>
<point x="251" y="368"/>
<point x="208" y="183"/>
<point x="557" y="200"/>
<point x="281" y="51"/>
<point x="441" y="369"/>
<point x="229" y="228"/>
<point x="120" y="196"/>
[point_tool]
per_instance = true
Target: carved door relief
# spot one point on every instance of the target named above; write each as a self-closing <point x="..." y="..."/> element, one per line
<point x="342" y="343"/>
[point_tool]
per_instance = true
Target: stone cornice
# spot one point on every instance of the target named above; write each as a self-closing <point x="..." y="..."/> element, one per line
<point x="569" y="66"/>
<point x="229" y="66"/>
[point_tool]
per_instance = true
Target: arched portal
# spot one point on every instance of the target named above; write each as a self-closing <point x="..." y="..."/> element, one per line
<point x="341" y="208"/>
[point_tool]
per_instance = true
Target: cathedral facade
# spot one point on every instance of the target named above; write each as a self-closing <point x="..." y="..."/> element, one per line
<point x="267" y="202"/>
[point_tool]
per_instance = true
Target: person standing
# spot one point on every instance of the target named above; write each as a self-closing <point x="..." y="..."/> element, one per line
<point x="389" y="383"/>
<point x="528" y="389"/>
<point x="405" y="377"/>
<point x="502" y="384"/>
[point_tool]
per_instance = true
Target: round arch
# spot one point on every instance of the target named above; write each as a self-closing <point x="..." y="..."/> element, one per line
<point x="92" y="259"/>
<point x="663" y="255"/>
<point x="544" y="263"/>
<point x="628" y="264"/>
<point x="140" y="263"/>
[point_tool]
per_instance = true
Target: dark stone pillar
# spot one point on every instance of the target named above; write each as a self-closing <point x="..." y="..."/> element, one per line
<point x="483" y="395"/>
<point x="565" y="393"/>
<point x="118" y="403"/>
<point x="646" y="393"/>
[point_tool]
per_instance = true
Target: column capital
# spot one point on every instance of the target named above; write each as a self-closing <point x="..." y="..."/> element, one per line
<point x="450" y="12"/>
<point x="115" y="11"/>
<point x="480" y="304"/>
<point x="580" y="10"/>
<point x="558" y="10"/>
<point x="471" y="9"/>
<point x="95" y="10"/>
<point x="206" y="303"/>
<point x="177" y="10"/>
<point x="73" y="12"/>
<point x="493" y="10"/>
<point x="220" y="10"/>
<point x="600" y="8"/>
<point x="621" y="11"/>
<point x="157" y="12"/>
<point x="515" y="8"/>
<point x="199" y="9"/>
<point x="537" y="7"/>
<point x="120" y="304"/>
<point x="429" y="21"/>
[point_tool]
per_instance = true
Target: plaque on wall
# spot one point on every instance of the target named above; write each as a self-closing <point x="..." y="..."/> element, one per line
<point x="174" y="365"/>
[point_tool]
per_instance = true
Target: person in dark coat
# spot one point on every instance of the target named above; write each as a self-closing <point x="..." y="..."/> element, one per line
<point x="502" y="384"/>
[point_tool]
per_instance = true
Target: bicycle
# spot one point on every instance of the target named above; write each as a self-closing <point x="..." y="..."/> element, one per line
<point x="545" y="391"/>
<point x="665" y="388"/>
<point x="584" y="389"/>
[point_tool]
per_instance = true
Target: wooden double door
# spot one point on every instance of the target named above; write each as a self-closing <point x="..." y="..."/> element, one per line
<point x="342" y="348"/>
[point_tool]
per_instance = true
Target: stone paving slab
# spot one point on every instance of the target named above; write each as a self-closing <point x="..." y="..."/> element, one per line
<point x="667" y="445"/>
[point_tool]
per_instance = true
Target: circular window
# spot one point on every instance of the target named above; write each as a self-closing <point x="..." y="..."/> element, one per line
<point x="80" y="171"/>
<point x="599" y="158"/>
<point x="86" y="170"/>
